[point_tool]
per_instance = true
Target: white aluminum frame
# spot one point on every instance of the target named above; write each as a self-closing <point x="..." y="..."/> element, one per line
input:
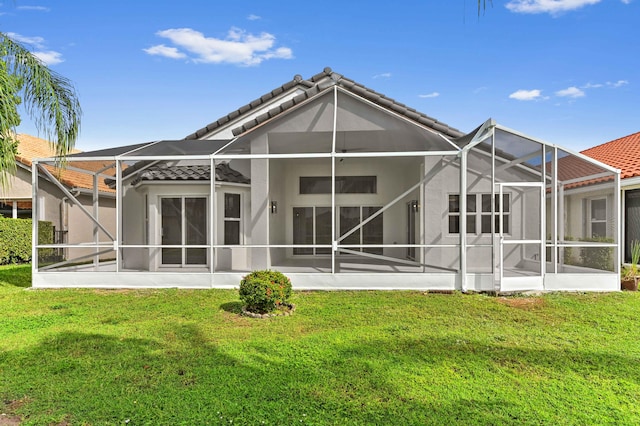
<point x="459" y="279"/>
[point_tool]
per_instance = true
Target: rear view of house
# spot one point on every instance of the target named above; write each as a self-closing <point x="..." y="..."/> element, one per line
<point x="341" y="187"/>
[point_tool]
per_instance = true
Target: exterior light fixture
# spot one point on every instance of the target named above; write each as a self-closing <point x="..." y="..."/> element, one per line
<point x="274" y="207"/>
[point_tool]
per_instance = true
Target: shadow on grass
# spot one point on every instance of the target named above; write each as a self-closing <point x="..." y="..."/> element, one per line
<point x="185" y="377"/>
<point x="232" y="307"/>
<point x="16" y="275"/>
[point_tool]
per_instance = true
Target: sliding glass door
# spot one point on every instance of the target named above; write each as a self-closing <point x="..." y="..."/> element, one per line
<point x="184" y="222"/>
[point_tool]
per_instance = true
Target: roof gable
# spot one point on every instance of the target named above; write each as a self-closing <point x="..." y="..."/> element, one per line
<point x="622" y="153"/>
<point x="299" y="90"/>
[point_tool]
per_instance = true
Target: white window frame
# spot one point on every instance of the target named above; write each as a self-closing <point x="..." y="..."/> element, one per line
<point x="477" y="214"/>
<point x="591" y="220"/>
<point x="233" y="219"/>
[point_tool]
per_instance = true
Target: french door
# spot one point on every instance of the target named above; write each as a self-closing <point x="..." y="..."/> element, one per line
<point x="184" y="223"/>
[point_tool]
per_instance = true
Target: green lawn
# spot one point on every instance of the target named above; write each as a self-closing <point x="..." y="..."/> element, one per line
<point x="174" y="357"/>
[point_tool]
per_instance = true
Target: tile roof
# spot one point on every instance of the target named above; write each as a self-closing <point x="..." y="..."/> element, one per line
<point x="622" y="153"/>
<point x="312" y="87"/>
<point x="573" y="167"/>
<point x="31" y="147"/>
<point x="164" y="172"/>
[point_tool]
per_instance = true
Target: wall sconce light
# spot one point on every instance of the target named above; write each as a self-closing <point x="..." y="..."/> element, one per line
<point x="274" y="207"/>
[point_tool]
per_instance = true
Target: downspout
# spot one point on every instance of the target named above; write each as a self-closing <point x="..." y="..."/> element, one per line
<point x="64" y="219"/>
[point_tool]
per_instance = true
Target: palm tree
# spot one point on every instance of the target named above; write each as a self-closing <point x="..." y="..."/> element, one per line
<point x="49" y="98"/>
<point x="482" y="4"/>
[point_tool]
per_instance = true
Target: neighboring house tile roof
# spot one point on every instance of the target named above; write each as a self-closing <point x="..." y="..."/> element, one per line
<point x="163" y="172"/>
<point x="573" y="167"/>
<point x="31" y="147"/>
<point x="622" y="153"/>
<point x="312" y="87"/>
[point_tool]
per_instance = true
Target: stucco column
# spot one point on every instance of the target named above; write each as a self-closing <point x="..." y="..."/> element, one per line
<point x="258" y="226"/>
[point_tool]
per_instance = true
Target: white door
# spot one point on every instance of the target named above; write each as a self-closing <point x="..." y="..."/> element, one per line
<point x="520" y="227"/>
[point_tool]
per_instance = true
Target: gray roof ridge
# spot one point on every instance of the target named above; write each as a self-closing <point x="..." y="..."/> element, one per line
<point x="313" y="86"/>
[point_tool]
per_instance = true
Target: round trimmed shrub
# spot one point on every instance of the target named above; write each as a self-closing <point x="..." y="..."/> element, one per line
<point x="265" y="291"/>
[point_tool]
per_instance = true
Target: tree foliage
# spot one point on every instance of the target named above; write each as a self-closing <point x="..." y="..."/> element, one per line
<point x="49" y="99"/>
<point x="482" y="5"/>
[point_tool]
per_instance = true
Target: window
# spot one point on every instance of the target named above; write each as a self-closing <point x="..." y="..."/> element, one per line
<point x="232" y="219"/>
<point x="454" y="214"/>
<point x="486" y="213"/>
<point x="484" y="216"/>
<point x="344" y="184"/>
<point x="598" y="218"/>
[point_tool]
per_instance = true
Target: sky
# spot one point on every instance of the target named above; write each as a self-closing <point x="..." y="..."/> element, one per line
<point x="563" y="71"/>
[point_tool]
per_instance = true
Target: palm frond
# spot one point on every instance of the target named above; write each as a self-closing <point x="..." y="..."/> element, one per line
<point x="49" y="98"/>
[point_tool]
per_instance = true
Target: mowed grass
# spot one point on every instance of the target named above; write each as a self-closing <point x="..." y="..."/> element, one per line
<point x="172" y="357"/>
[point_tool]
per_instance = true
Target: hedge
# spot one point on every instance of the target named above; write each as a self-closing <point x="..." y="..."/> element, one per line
<point x="15" y="239"/>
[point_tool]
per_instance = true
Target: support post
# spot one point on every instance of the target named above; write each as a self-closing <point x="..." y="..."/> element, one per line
<point x="463" y="220"/>
<point x="34" y="217"/>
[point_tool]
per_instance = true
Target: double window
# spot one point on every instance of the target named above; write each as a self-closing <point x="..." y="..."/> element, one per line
<point x="479" y="215"/>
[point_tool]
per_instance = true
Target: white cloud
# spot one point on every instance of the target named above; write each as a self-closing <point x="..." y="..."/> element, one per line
<point x="617" y="84"/>
<point x="37" y="42"/>
<point x="610" y="84"/>
<point x="253" y="17"/>
<point x="36" y="8"/>
<point x="49" y="57"/>
<point x="162" y="50"/>
<point x="383" y="75"/>
<point x="552" y="7"/>
<point x="526" y="95"/>
<point x="239" y="47"/>
<point x="430" y="95"/>
<point x="571" y="92"/>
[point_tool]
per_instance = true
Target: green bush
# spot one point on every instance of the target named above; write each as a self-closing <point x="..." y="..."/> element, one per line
<point x="598" y="257"/>
<point x="15" y="239"/>
<point x="265" y="291"/>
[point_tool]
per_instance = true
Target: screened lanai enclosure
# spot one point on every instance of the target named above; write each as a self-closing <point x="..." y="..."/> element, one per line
<point x="341" y="192"/>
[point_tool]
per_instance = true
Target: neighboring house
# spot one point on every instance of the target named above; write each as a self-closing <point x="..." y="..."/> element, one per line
<point x="624" y="154"/>
<point x="54" y="205"/>
<point x="341" y="187"/>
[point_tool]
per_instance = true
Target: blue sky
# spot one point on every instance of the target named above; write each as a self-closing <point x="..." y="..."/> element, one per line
<point x="565" y="71"/>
